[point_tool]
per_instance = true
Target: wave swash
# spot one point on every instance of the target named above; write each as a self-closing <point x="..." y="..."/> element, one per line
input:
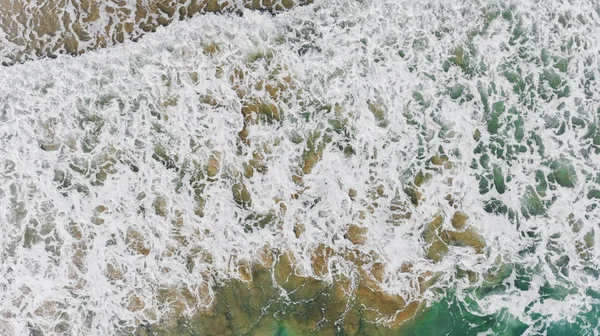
<point x="340" y="168"/>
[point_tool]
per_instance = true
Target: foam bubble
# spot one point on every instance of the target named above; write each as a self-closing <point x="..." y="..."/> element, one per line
<point x="152" y="170"/>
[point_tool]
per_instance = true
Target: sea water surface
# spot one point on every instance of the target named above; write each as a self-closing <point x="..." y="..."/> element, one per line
<point x="342" y="168"/>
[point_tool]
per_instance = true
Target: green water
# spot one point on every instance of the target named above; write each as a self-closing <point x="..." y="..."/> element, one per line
<point x="450" y="318"/>
<point x="238" y="313"/>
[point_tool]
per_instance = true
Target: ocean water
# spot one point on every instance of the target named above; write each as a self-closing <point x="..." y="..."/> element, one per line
<point x="340" y="168"/>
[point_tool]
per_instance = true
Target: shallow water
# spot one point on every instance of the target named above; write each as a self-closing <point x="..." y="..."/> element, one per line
<point x="32" y="30"/>
<point x="344" y="168"/>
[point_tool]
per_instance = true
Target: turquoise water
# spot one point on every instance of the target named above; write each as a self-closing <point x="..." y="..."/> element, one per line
<point x="450" y="317"/>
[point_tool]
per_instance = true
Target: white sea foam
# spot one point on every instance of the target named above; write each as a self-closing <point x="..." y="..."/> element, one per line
<point x="344" y="52"/>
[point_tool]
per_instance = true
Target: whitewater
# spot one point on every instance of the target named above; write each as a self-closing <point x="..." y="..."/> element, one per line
<point x="452" y="141"/>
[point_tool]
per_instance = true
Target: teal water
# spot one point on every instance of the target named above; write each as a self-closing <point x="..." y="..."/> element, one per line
<point x="449" y="317"/>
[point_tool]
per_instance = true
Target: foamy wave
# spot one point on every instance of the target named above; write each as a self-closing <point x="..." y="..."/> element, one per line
<point x="133" y="174"/>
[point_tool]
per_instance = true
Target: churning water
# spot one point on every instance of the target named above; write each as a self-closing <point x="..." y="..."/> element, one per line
<point x="442" y="154"/>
